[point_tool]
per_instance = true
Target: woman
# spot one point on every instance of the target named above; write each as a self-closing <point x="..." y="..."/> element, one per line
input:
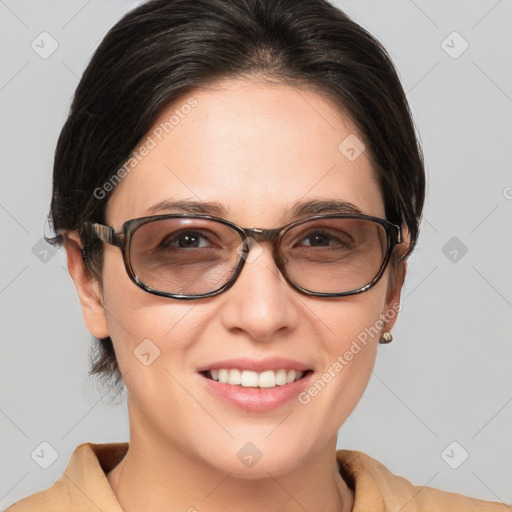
<point x="238" y="187"/>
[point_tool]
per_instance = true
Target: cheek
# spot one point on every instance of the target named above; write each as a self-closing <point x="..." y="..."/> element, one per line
<point x="354" y="323"/>
<point x="142" y="326"/>
<point x="351" y="329"/>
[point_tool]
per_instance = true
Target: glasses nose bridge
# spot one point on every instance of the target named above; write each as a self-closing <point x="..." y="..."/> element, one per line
<point x="262" y="235"/>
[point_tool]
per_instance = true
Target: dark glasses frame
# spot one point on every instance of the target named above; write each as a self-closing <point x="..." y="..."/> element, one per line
<point x="123" y="239"/>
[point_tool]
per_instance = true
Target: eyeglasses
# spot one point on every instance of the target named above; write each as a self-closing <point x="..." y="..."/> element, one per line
<point x="186" y="256"/>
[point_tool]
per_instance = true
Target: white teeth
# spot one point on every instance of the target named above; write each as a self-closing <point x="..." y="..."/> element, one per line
<point x="267" y="379"/>
<point x="234" y="377"/>
<point x="250" y="379"/>
<point x="281" y="377"/>
<point x="223" y="376"/>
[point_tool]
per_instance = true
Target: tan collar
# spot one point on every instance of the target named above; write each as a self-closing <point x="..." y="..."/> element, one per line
<point x="84" y="486"/>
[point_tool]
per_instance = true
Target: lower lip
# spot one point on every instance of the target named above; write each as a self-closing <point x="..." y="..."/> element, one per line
<point x="257" y="399"/>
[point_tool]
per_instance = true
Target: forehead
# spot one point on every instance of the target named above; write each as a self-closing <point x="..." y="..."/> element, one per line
<point x="255" y="148"/>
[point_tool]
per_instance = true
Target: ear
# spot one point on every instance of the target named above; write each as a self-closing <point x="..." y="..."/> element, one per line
<point x="397" y="272"/>
<point x="87" y="287"/>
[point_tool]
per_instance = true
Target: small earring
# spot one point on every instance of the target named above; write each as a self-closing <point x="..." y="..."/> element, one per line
<point x="386" y="337"/>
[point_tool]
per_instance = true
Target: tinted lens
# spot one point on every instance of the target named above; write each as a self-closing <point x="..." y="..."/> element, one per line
<point x="184" y="256"/>
<point x="334" y="255"/>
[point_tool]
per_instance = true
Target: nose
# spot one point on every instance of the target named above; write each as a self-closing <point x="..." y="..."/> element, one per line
<point x="260" y="303"/>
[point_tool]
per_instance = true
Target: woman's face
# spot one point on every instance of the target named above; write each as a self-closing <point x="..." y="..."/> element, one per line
<point x="257" y="151"/>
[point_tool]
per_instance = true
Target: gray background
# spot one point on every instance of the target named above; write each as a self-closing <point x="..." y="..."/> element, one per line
<point x="446" y="377"/>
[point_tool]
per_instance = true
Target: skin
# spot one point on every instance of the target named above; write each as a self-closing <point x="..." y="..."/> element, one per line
<point x="257" y="149"/>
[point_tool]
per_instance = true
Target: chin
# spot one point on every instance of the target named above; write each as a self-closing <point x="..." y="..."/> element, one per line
<point x="258" y="459"/>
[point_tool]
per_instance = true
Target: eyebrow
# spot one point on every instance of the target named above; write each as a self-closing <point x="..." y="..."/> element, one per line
<point x="206" y="208"/>
<point x="216" y="209"/>
<point x="323" y="206"/>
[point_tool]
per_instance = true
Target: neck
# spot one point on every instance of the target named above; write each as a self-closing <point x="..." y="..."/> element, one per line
<point x="156" y="474"/>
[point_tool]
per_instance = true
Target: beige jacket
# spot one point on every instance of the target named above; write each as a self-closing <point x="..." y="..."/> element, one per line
<point x="84" y="487"/>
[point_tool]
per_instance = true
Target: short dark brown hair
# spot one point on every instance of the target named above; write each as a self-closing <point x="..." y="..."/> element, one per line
<point x="164" y="49"/>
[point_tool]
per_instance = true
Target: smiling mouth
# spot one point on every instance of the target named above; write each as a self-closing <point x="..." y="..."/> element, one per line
<point x="251" y="379"/>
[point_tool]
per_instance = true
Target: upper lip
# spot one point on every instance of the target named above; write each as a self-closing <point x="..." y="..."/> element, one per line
<point x="256" y="365"/>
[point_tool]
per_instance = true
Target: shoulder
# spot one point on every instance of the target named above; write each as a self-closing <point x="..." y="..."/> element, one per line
<point x="83" y="485"/>
<point x="378" y="489"/>
<point x="49" y="500"/>
<point x="55" y="499"/>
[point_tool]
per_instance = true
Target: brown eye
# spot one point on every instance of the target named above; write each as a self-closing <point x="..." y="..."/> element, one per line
<point x="323" y="239"/>
<point x="185" y="240"/>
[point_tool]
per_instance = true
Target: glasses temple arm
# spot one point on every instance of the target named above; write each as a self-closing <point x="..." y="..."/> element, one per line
<point x="107" y="234"/>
